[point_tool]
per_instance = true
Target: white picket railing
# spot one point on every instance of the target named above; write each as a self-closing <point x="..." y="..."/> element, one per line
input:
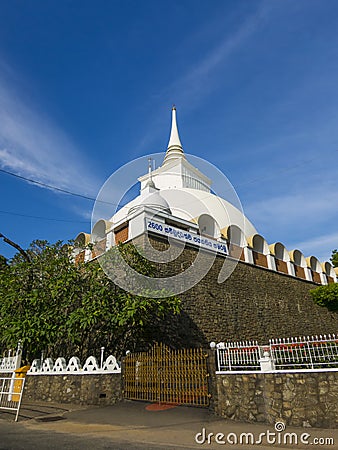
<point x="238" y="356"/>
<point x="11" y="361"/>
<point x="295" y="353"/>
<point x="11" y="390"/>
<point x="305" y="352"/>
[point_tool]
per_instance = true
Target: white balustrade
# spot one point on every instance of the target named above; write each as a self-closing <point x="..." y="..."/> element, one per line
<point x="74" y="367"/>
<point x="11" y="362"/>
<point x="286" y="354"/>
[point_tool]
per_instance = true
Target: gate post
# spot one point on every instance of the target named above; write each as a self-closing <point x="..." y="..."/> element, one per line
<point x="122" y="379"/>
<point x="212" y="380"/>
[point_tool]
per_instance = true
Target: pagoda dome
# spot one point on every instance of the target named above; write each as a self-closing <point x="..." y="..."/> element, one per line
<point x="155" y="200"/>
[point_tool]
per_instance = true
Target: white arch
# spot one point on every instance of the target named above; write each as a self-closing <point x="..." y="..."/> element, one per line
<point x="60" y="365"/>
<point x="82" y="239"/>
<point x="91" y="364"/>
<point x="100" y="230"/>
<point x="47" y="365"/>
<point x="297" y="257"/>
<point x="111" y="364"/>
<point x="314" y="264"/>
<point x="258" y="244"/>
<point x="234" y="235"/>
<point x="279" y="251"/>
<point x="208" y="225"/>
<point x="74" y="365"/>
<point x="328" y="269"/>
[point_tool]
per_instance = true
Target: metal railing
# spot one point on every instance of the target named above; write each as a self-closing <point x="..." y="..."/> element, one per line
<point x="11" y="361"/>
<point x="305" y="352"/>
<point x="11" y="389"/>
<point x="295" y="353"/>
<point x="238" y="356"/>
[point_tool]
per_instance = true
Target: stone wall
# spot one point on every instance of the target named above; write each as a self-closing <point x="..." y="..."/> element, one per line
<point x="77" y="389"/>
<point x="298" y="399"/>
<point x="254" y="303"/>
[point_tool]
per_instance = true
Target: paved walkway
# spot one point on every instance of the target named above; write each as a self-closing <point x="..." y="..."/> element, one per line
<point x="132" y="425"/>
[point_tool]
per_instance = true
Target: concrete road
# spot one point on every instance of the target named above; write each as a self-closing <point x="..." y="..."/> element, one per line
<point x="131" y="425"/>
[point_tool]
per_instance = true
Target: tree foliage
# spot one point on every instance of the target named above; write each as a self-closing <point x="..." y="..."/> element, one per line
<point x="3" y="262"/>
<point x="326" y="296"/>
<point x="65" y="309"/>
<point x="334" y="258"/>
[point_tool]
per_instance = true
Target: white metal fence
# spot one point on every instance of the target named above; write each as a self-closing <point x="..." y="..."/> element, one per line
<point x="305" y="352"/>
<point x="11" y="360"/>
<point x="238" y="356"/>
<point x="11" y="390"/>
<point x="295" y="353"/>
<point x="11" y="384"/>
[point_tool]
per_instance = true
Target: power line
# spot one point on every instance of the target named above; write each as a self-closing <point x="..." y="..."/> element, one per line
<point x="86" y="197"/>
<point x="42" y="218"/>
<point x="75" y="194"/>
<point x="54" y="188"/>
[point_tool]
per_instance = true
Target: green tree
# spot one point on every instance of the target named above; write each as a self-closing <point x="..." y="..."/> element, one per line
<point x="3" y="262"/>
<point x="326" y="296"/>
<point x="65" y="309"/>
<point x="334" y="258"/>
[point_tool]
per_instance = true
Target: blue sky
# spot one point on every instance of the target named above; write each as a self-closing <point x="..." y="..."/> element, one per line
<point x="87" y="86"/>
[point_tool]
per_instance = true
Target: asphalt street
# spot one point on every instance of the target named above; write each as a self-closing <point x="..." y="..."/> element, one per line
<point x="134" y="425"/>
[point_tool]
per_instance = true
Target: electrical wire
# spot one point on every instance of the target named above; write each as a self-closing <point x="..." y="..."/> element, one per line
<point x="86" y="197"/>
<point x="43" y="218"/>
<point x="54" y="188"/>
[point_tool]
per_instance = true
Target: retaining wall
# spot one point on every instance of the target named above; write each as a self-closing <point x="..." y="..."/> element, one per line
<point x="254" y="303"/>
<point x="298" y="399"/>
<point x="103" y="389"/>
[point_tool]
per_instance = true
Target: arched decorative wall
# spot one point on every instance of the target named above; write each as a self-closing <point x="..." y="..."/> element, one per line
<point x="99" y="237"/>
<point x="208" y="226"/>
<point x="299" y="263"/>
<point x="80" y="242"/>
<point x="315" y="268"/>
<point x="236" y="241"/>
<point x="282" y="257"/>
<point x="329" y="272"/>
<point x="260" y="250"/>
<point x="100" y="230"/>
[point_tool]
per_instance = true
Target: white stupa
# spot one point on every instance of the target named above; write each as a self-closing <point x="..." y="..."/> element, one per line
<point x="176" y="200"/>
<point x="180" y="187"/>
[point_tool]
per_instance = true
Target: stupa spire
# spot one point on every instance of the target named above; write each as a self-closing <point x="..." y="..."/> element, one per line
<point x="175" y="149"/>
<point x="150" y="182"/>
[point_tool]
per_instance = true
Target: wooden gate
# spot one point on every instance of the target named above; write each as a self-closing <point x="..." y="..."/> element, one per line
<point x="167" y="376"/>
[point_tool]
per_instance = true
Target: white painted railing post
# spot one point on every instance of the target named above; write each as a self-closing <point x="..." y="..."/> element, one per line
<point x="266" y="362"/>
<point x="102" y="355"/>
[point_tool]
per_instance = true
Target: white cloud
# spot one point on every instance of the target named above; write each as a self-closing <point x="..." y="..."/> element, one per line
<point x="304" y="220"/>
<point x="199" y="81"/>
<point x="33" y="146"/>
<point x="85" y="213"/>
<point x="320" y="246"/>
<point x="203" y="77"/>
<point x="306" y="208"/>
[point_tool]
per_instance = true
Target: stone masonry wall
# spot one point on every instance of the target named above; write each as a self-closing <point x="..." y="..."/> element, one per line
<point x="298" y="399"/>
<point x="77" y="389"/>
<point x="254" y="303"/>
